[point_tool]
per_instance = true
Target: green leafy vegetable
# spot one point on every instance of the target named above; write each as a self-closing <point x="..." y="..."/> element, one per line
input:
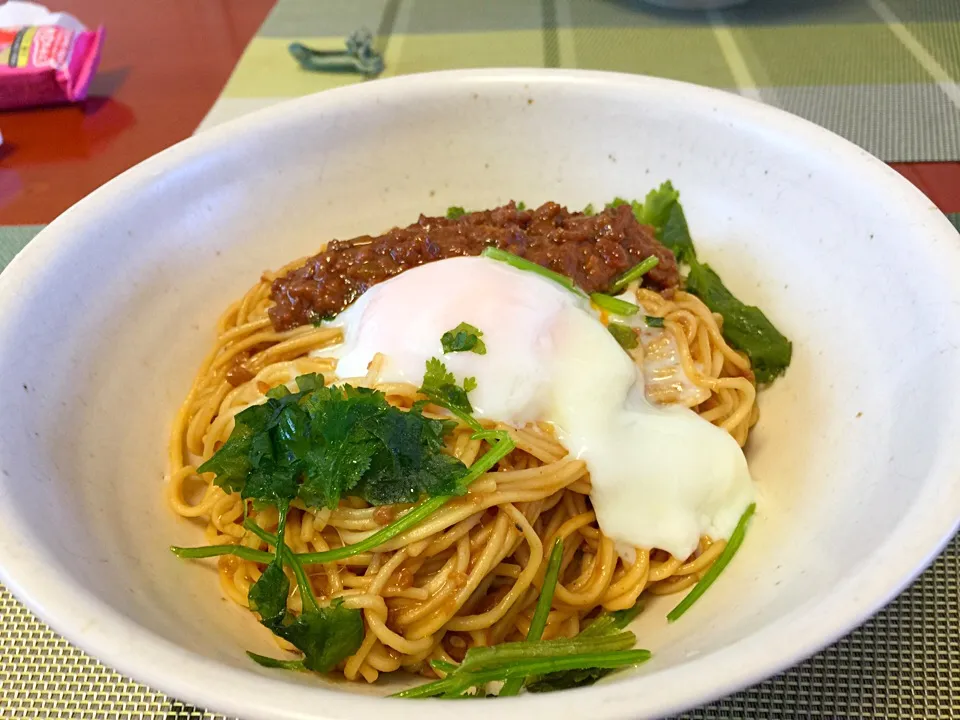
<point x="634" y="273"/>
<point x="325" y="636"/>
<point x="551" y="664"/>
<point x="588" y="210"/>
<point x="675" y="234"/>
<point x="270" y="662"/>
<point x="322" y="443"/>
<point x="521" y="205"/>
<point x="530" y="266"/>
<point x="268" y="596"/>
<point x="441" y="387"/>
<point x="613" y="305"/>
<point x="412" y="463"/>
<point x="463" y="338"/>
<point x="608" y="623"/>
<point x="736" y="539"/>
<point x="653" y="321"/>
<point x="482" y="665"/>
<point x="541" y="612"/>
<point x="745" y="327"/>
<point x="657" y="206"/>
<point x="454" y="212"/>
<point x="624" y="335"/>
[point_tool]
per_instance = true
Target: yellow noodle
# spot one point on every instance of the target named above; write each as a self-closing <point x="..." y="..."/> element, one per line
<point x="469" y="575"/>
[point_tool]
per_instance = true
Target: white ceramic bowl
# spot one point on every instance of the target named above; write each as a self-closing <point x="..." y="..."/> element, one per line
<point x="106" y="315"/>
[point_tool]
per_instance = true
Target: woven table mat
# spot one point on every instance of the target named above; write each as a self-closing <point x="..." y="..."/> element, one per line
<point x="903" y="663"/>
<point x="882" y="73"/>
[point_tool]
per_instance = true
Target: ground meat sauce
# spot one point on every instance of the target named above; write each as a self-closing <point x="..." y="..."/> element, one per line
<point x="594" y="250"/>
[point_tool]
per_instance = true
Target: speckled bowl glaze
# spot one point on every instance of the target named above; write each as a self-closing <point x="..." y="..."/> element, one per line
<point x="105" y="317"/>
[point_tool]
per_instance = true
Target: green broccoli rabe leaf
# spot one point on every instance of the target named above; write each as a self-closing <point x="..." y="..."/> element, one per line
<point x="454" y="212"/>
<point x="268" y="595"/>
<point x="441" y="387"/>
<point x="463" y="338"/>
<point x="326" y="636"/>
<point x="745" y="327"/>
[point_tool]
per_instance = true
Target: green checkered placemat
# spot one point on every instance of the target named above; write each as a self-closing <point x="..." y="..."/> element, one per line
<point x="904" y="663"/>
<point x="882" y="73"/>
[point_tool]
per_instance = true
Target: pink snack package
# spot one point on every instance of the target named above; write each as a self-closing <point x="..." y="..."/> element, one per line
<point x="46" y="64"/>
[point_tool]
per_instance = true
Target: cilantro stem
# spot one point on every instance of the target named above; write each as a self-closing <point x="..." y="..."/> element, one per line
<point x="736" y="539"/>
<point x="506" y="654"/>
<point x="443" y="666"/>
<point x="465" y="416"/>
<point x="274" y="663"/>
<point x="424" y="510"/>
<point x="635" y="273"/>
<point x="540" y="614"/>
<point x="613" y="305"/>
<point x="421" y="512"/>
<point x="307" y="597"/>
<point x="520" y="263"/>
<point x="542" y="611"/>
<point x="241" y="551"/>
<point x="460" y="681"/>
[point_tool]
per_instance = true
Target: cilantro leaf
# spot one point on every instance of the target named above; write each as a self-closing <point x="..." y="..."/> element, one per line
<point x="231" y="463"/>
<point x="280" y="391"/>
<point x="441" y="387"/>
<point x="410" y="463"/>
<point x="326" y="636"/>
<point x="342" y="445"/>
<point x="463" y="338"/>
<point x="454" y="212"/>
<point x="268" y="595"/>
<point x="657" y="206"/>
<point x="270" y="484"/>
<point x="321" y="444"/>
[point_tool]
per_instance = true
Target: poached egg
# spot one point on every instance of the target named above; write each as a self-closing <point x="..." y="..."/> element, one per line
<point x="660" y="475"/>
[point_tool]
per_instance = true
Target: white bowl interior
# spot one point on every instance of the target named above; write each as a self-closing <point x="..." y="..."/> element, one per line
<point x="104" y="322"/>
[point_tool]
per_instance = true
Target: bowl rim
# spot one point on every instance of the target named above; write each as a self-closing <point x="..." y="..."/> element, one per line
<point x="916" y="540"/>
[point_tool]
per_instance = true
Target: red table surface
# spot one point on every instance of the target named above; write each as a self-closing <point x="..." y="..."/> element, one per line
<point x="164" y="63"/>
